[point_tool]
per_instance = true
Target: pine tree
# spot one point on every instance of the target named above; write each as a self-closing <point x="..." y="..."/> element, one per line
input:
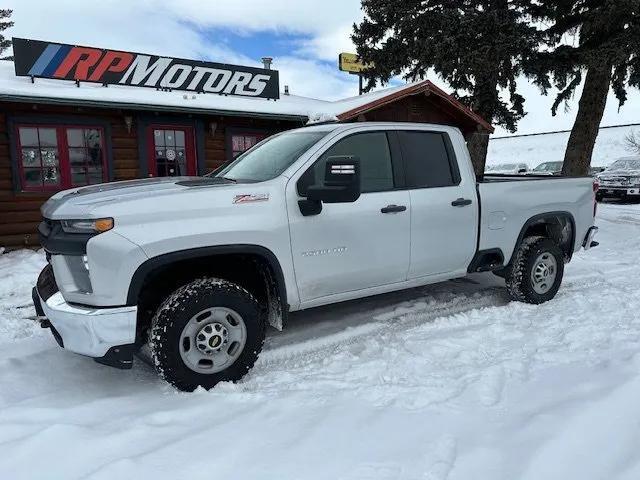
<point x="4" y="24"/>
<point x="597" y="41"/>
<point x="475" y="46"/>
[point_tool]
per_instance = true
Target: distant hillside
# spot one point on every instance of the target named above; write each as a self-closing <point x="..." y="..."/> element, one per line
<point x="547" y="147"/>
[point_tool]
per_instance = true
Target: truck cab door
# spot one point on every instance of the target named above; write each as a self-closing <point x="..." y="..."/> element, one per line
<point x="348" y="247"/>
<point x="444" y="205"/>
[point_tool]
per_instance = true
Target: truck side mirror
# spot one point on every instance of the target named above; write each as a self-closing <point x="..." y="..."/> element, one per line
<point x="341" y="185"/>
<point x="341" y="181"/>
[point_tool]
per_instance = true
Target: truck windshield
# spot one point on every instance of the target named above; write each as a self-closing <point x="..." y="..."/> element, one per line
<point x="548" y="167"/>
<point x="625" y="164"/>
<point x="270" y="158"/>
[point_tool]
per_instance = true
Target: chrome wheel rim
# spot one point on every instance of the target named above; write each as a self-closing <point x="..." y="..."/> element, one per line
<point x="212" y="340"/>
<point x="544" y="272"/>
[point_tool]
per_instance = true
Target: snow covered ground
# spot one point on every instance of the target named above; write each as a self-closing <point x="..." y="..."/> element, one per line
<point x="535" y="149"/>
<point x="450" y="381"/>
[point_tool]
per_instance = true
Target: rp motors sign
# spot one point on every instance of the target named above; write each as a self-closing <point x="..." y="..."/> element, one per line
<point x="35" y="58"/>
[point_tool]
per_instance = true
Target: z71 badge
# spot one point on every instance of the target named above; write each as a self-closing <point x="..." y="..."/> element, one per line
<point x="251" y="198"/>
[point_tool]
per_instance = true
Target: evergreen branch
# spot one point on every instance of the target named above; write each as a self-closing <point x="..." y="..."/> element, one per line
<point x="566" y="94"/>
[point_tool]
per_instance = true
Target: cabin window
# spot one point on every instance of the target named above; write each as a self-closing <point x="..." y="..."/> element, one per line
<point x="241" y="142"/>
<point x="55" y="157"/>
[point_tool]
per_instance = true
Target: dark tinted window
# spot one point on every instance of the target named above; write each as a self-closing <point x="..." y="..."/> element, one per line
<point x="372" y="149"/>
<point x="426" y="159"/>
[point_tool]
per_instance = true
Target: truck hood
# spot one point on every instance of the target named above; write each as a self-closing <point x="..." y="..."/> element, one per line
<point x="84" y="201"/>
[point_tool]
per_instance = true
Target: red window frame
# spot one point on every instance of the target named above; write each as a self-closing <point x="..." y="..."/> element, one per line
<point x="64" y="164"/>
<point x="259" y="136"/>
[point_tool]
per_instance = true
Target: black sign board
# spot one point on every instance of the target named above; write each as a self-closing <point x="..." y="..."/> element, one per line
<point x="36" y="58"/>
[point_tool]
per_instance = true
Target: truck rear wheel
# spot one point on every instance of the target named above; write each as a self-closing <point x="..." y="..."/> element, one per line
<point x="206" y="332"/>
<point x="536" y="272"/>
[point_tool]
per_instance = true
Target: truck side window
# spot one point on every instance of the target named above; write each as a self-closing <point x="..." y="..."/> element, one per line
<point x="426" y="160"/>
<point x="372" y="148"/>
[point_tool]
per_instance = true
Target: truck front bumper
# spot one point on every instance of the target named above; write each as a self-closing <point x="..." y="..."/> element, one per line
<point x="618" y="192"/>
<point x="107" y="334"/>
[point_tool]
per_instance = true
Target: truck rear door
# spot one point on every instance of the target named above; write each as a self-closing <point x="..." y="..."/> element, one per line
<point x="444" y="204"/>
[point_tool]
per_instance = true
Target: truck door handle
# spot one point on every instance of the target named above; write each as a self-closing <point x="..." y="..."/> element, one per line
<point x="393" y="209"/>
<point x="461" y="202"/>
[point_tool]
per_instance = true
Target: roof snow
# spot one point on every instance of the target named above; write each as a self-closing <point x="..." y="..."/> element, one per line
<point x="15" y="88"/>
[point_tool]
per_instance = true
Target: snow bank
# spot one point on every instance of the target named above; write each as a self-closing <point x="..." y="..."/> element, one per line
<point x="321" y="117"/>
<point x="18" y="271"/>
<point x="533" y="150"/>
<point x="450" y="381"/>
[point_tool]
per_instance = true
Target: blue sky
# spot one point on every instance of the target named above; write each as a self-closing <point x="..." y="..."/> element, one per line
<point x="304" y="37"/>
<point x="258" y="44"/>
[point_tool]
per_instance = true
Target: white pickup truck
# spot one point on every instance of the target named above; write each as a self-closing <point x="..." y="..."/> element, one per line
<point x="197" y="267"/>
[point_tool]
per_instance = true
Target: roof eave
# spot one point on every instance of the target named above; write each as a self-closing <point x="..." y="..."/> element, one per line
<point x="422" y="87"/>
<point x="148" y="107"/>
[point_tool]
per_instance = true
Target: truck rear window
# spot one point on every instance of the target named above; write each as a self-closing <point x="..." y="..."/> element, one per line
<point x="426" y="160"/>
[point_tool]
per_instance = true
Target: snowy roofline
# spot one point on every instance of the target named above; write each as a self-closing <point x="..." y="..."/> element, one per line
<point x="292" y="107"/>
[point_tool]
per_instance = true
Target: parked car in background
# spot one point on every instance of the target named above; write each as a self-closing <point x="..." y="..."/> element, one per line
<point x="620" y="180"/>
<point x="507" y="169"/>
<point x="548" y="168"/>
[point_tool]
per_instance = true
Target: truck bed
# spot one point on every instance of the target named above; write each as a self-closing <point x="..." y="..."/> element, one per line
<point x="508" y="202"/>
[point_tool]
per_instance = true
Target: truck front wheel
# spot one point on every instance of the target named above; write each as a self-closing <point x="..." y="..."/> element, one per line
<point x="206" y="332"/>
<point x="536" y="272"/>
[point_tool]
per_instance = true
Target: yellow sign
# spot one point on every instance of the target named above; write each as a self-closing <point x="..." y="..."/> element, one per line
<point x="349" y="62"/>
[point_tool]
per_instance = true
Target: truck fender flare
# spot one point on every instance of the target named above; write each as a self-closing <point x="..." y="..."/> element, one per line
<point x="149" y="266"/>
<point x="547" y="218"/>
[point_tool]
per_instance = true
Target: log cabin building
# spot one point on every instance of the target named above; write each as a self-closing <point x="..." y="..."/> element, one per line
<point x="61" y="134"/>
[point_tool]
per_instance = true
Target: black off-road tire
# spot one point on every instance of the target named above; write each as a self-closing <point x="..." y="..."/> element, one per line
<point x="518" y="277"/>
<point x="176" y="311"/>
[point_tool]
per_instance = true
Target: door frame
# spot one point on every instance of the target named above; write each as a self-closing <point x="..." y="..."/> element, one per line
<point x="143" y="121"/>
<point x="293" y="195"/>
<point x="189" y="147"/>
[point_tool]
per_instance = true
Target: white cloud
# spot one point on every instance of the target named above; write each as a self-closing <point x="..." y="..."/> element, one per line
<point x="175" y="28"/>
<point x="327" y="45"/>
<point x="311" y="78"/>
<point x="310" y="16"/>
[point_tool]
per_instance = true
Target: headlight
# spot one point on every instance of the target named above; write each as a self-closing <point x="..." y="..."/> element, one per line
<point x="98" y="225"/>
<point x="634" y="180"/>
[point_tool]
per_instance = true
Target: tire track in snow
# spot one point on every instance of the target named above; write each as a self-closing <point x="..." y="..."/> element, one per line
<point x="388" y="322"/>
<point x="383" y="322"/>
<point x="622" y="220"/>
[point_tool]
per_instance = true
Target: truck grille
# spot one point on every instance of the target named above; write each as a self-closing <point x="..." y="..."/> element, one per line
<point x="45" y="229"/>
<point x="615" y="181"/>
